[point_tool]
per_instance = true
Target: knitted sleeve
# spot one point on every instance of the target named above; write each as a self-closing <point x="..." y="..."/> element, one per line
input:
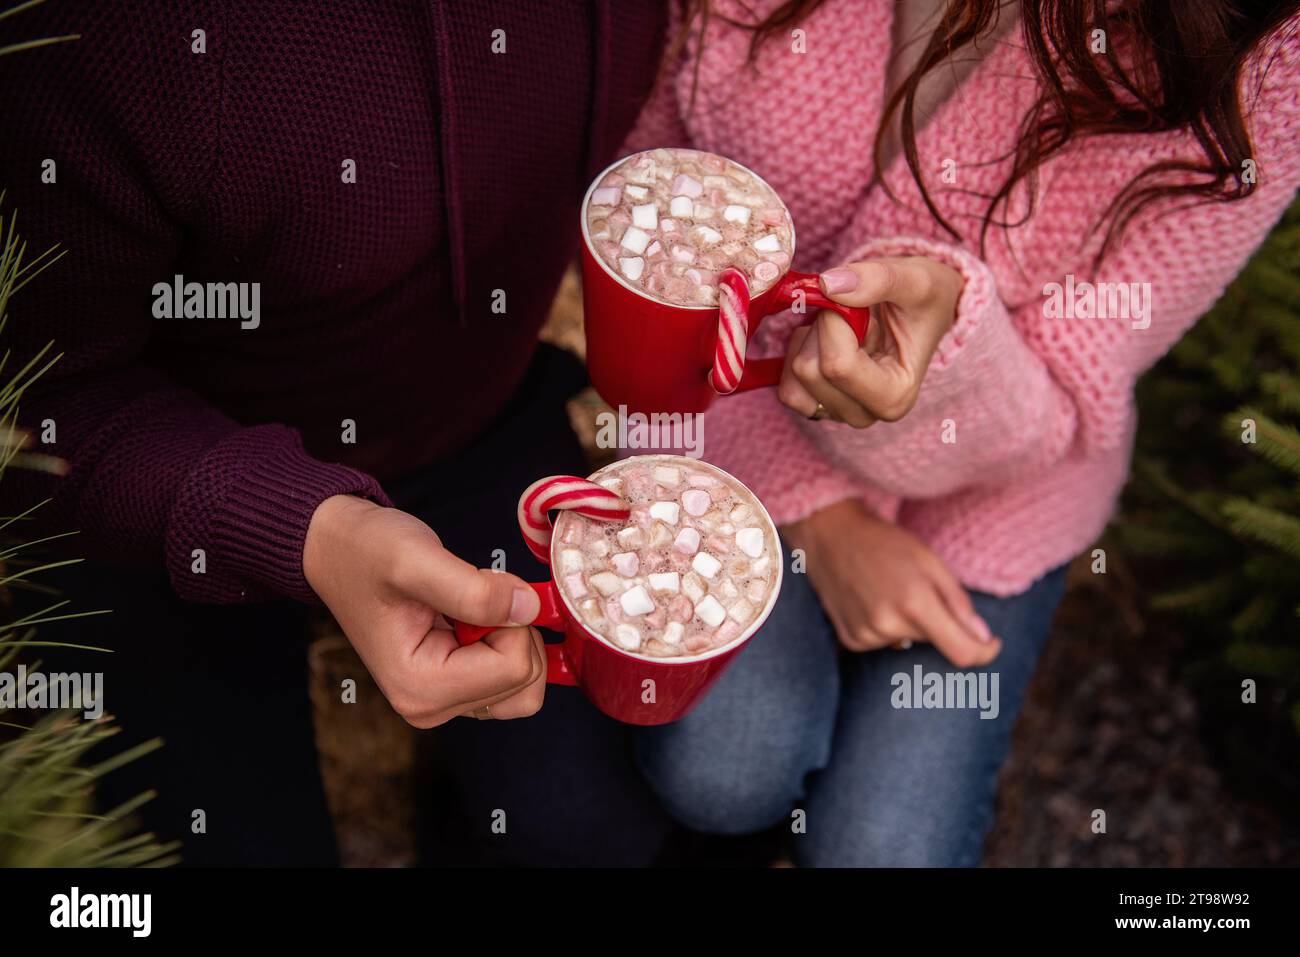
<point x="156" y="476"/>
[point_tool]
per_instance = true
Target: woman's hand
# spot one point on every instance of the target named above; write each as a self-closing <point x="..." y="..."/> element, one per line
<point x="388" y="580"/>
<point x="914" y="302"/>
<point x="881" y="586"/>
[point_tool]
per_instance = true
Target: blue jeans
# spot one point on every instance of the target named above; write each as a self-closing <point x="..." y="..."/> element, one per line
<point x="798" y="725"/>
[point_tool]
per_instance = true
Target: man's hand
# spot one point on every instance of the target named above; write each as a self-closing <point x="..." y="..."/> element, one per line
<point x="881" y="586"/>
<point x="388" y="580"/>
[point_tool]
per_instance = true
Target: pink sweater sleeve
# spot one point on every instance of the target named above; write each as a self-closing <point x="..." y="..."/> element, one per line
<point x="660" y="120"/>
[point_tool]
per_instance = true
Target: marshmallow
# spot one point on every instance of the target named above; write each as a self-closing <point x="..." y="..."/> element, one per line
<point x="685" y="185"/>
<point x="682" y="254"/>
<point x="736" y="214"/>
<point x="693" y="586"/>
<point x="635" y="240"/>
<point x="766" y="271"/>
<point x="645" y="216"/>
<point x="613" y="484"/>
<point x="750" y="541"/>
<point x="700" y="211"/>
<point x="741" y="612"/>
<point x="665" y="511"/>
<point x="667" y="475"/>
<point x="607" y="583"/>
<point x="665" y="581"/>
<point x="660" y="535"/>
<point x="637" y="192"/>
<point x="760" y="565"/>
<point x="632" y="266"/>
<point x="740" y="512"/>
<point x="599" y="548"/>
<point x="628" y="636"/>
<point x="768" y="244"/>
<point x="696" y="502"/>
<point x="681" y="206"/>
<point x="705" y="564"/>
<point x="673" y="633"/>
<point x="707" y="235"/>
<point x="577" y="588"/>
<point x="626" y="563"/>
<point x="605" y="196"/>
<point x="755" y="589"/>
<point x="571" y="560"/>
<point x="687" y="541"/>
<point x="635" y="601"/>
<point x="631" y="537"/>
<point x="710" y="612"/>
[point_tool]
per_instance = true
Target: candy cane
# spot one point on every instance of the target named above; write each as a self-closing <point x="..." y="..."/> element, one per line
<point x="733" y="328"/>
<point x="564" y="492"/>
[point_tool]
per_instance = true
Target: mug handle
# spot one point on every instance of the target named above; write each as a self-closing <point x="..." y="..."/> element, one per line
<point x="763" y="373"/>
<point x="559" y="670"/>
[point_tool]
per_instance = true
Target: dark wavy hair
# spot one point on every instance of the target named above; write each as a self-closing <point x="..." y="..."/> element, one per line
<point x="1181" y="70"/>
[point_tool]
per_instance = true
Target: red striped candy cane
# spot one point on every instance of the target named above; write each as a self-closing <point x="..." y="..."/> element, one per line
<point x="564" y="492"/>
<point x="733" y="329"/>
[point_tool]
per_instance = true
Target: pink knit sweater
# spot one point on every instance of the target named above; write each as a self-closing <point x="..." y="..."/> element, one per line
<point x="1012" y="459"/>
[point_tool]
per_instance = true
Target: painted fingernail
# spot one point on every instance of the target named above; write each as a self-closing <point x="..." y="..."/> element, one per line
<point x="981" y="629"/>
<point x="839" y="280"/>
<point x="524" y="606"/>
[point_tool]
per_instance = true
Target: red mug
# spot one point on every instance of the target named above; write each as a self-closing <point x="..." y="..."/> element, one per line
<point x="652" y="356"/>
<point x="635" y="689"/>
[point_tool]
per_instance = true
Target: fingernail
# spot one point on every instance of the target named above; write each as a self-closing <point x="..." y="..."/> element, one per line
<point x="524" y="606"/>
<point x="980" y="627"/>
<point x="839" y="280"/>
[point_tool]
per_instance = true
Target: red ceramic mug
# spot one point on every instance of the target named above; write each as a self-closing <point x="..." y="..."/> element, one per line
<point x="652" y="356"/>
<point x="636" y="689"/>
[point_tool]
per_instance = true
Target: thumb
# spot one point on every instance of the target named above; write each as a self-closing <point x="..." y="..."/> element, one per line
<point x="478" y="596"/>
<point x="906" y="282"/>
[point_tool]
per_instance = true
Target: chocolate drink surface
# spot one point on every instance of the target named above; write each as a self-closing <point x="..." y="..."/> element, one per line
<point x="667" y="221"/>
<point x="692" y="568"/>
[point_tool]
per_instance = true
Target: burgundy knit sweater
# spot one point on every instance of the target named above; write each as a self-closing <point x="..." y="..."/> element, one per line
<point x="380" y="300"/>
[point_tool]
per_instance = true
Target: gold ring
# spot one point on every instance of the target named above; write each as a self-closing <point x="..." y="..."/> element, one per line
<point x="484" y="713"/>
<point x="818" y="413"/>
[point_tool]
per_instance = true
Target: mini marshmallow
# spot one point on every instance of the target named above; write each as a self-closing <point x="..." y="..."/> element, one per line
<point x="607" y="583"/>
<point x="673" y="633"/>
<point x="705" y="564"/>
<point x="702" y="212"/>
<point x="660" y="535"/>
<point x="635" y="601"/>
<point x="637" y="192"/>
<point x="755" y="589"/>
<point x="665" y="581"/>
<point x="682" y="254"/>
<point x="626" y="563"/>
<point x="631" y="537"/>
<point x="707" y="235"/>
<point x="766" y="271"/>
<point x="571" y="560"/>
<point x="742" y="612"/>
<point x="665" y="512"/>
<point x="687" y="541"/>
<point x="750" y="541"/>
<point x="760" y="565"/>
<point x="631" y="266"/>
<point x="635" y="240"/>
<point x="685" y="185"/>
<point x="736" y="214"/>
<point x="605" y="196"/>
<point x="681" y="206"/>
<point x="740" y="512"/>
<point x="729" y="591"/>
<point x="693" y="585"/>
<point x="768" y="244"/>
<point x="576" y="587"/>
<point x="628" y="636"/>
<point x="613" y="484"/>
<point x="668" y="476"/>
<point x="696" y="502"/>
<point x="645" y="216"/>
<point x="710" y="612"/>
<point x="599" y="548"/>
